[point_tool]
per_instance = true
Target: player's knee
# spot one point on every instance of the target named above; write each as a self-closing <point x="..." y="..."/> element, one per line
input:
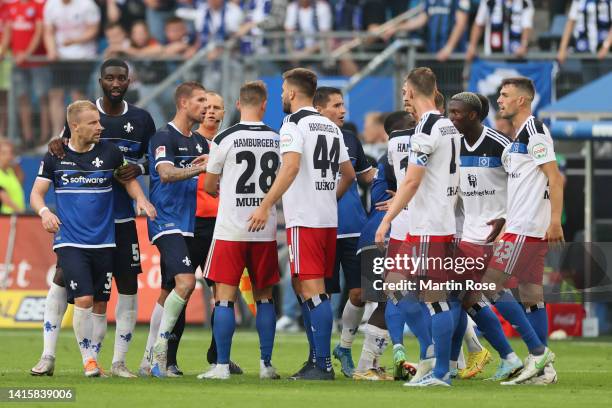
<point x="99" y="307"/>
<point x="185" y="284"/>
<point x="58" y="278"/>
<point x="355" y="297"/>
<point x="265" y="293"/>
<point x="84" y="302"/>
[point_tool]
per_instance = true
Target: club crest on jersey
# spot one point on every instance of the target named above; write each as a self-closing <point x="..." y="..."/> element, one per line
<point x="97" y="163"/>
<point x="472" y="180"/>
<point x="483" y="162"/>
<point x="199" y="148"/>
<point x="539" y="151"/>
<point x="128" y="127"/>
<point x="187" y="261"/>
<point x="160" y="152"/>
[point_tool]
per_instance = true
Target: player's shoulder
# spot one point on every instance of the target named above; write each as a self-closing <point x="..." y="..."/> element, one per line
<point x="108" y="147"/>
<point x="429" y="121"/>
<point x="401" y="132"/>
<point x="531" y="128"/>
<point x="300" y="115"/>
<point x="496" y="138"/>
<point x="138" y="112"/>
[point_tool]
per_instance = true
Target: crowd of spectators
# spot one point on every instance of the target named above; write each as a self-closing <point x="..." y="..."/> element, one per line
<point x="75" y="34"/>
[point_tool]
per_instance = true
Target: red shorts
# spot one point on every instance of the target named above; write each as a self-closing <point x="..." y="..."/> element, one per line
<point x="434" y="251"/>
<point x="521" y="257"/>
<point x="476" y="258"/>
<point x="312" y="252"/>
<point x="227" y="260"/>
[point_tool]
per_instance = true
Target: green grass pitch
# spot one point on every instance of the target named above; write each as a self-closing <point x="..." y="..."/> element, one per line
<point x="584" y="369"/>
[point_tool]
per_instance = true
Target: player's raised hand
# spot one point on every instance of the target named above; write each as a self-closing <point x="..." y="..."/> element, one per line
<point x="496" y="227"/>
<point x="50" y="221"/>
<point x="258" y="219"/>
<point x="144" y="206"/>
<point x="381" y="234"/>
<point x="56" y="147"/>
<point x="554" y="234"/>
<point x="384" y="205"/>
<point x="128" y="171"/>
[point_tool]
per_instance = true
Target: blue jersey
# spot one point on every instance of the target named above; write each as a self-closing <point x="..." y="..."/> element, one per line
<point x="441" y="21"/>
<point x="83" y="184"/>
<point x="351" y="214"/>
<point x="385" y="180"/>
<point x="175" y="202"/>
<point x="131" y="132"/>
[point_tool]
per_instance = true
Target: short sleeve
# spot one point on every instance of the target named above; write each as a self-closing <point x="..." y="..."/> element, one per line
<point x="291" y="17"/>
<point x="505" y="157"/>
<point x="48" y="13"/>
<point x="380" y="185"/>
<point x="147" y="135"/>
<point x="574" y="10"/>
<point x="361" y="165"/>
<point x="324" y="16"/>
<point x="216" y="159"/>
<point x="162" y="149"/>
<point x="541" y="148"/>
<point x="482" y="15"/>
<point x="47" y="167"/>
<point x="422" y="146"/>
<point x="527" y="17"/>
<point x="92" y="13"/>
<point x="117" y="156"/>
<point x="463" y="5"/>
<point x="344" y="156"/>
<point x="291" y="139"/>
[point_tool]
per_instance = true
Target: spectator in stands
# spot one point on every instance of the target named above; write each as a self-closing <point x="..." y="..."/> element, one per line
<point x="179" y="43"/>
<point x="11" y="179"/>
<point x="446" y="22"/>
<point x="141" y="42"/>
<point x="259" y="16"/>
<point x="157" y="13"/>
<point x="23" y="38"/>
<point x="125" y="12"/>
<point x="118" y="42"/>
<point x="348" y="16"/>
<point x="507" y="26"/>
<point x="217" y="20"/>
<point x="374" y="136"/>
<point x="70" y="31"/>
<point x="307" y="18"/>
<point x="588" y="28"/>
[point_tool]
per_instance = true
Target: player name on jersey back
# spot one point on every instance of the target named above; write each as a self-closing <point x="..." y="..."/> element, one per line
<point x="247" y="157"/>
<point x="398" y="154"/>
<point x="435" y="145"/>
<point x="310" y="201"/>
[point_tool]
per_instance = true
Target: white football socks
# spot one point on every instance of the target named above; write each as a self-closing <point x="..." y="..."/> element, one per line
<point x="470" y="338"/>
<point x="99" y="332"/>
<point x="82" y="323"/>
<point x="351" y="318"/>
<point x="173" y="306"/>
<point x="55" y="307"/>
<point x="374" y="345"/>
<point x="126" y="313"/>
<point x="156" y="316"/>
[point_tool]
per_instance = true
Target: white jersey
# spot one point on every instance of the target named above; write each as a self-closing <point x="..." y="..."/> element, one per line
<point x="528" y="194"/>
<point x="483" y="184"/>
<point x="310" y="201"/>
<point x="247" y="157"/>
<point x="435" y="145"/>
<point x="398" y="152"/>
<point x="70" y="21"/>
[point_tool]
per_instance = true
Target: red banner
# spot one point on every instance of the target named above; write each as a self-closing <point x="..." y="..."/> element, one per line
<point x="33" y="265"/>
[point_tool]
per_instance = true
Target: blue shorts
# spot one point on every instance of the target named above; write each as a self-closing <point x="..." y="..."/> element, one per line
<point x="127" y="253"/>
<point x="87" y="271"/>
<point x="346" y="255"/>
<point x="174" y="258"/>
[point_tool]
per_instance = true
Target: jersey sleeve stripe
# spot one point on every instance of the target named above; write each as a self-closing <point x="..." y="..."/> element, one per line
<point x="43" y="178"/>
<point x="364" y="170"/>
<point x="163" y="161"/>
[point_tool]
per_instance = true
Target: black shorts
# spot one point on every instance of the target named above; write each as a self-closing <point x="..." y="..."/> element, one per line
<point x="87" y="271"/>
<point x="199" y="245"/>
<point x="346" y="255"/>
<point x="174" y="258"/>
<point x="127" y="253"/>
<point x="72" y="75"/>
